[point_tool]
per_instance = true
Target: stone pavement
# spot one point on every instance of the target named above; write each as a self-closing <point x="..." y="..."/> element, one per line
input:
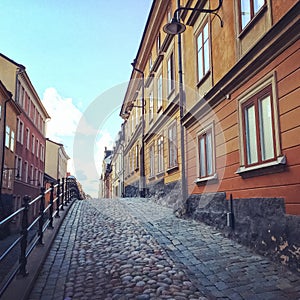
<point x="135" y="249"/>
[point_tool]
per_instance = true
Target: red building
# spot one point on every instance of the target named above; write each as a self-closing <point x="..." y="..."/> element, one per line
<point x="30" y="135"/>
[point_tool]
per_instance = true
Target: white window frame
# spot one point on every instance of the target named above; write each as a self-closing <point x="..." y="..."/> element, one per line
<point x="20" y="131"/>
<point x="172" y="145"/>
<point x="7" y="136"/>
<point x="151" y="160"/>
<point x="268" y="80"/>
<point x="26" y="171"/>
<point x="32" y="143"/>
<point x="159" y="91"/>
<point x="202" y="158"/>
<point x="12" y="141"/>
<point x="151" y="106"/>
<point x="28" y="138"/>
<point x="170" y="74"/>
<point x="160" y="154"/>
<point x="203" y="51"/>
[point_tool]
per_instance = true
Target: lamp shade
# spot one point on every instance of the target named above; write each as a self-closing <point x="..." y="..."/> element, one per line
<point x="174" y="27"/>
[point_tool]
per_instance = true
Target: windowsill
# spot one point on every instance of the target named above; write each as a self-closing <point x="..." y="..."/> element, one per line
<point x="200" y="82"/>
<point x="152" y="177"/>
<point x="171" y="94"/>
<point x="205" y="179"/>
<point x="159" y="109"/>
<point x="281" y="160"/>
<point x="172" y="169"/>
<point x="252" y="22"/>
<point x="160" y="174"/>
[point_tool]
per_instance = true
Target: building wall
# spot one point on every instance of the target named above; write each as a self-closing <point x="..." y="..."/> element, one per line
<point x="283" y="71"/>
<point x="51" y="160"/>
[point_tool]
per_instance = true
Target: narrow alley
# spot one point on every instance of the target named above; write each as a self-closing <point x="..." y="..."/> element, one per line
<point x="136" y="249"/>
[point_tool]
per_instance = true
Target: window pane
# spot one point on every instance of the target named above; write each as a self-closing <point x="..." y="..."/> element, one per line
<point x="200" y="56"/>
<point x="257" y="5"/>
<point x="245" y="12"/>
<point x="12" y="141"/>
<point x="7" y="136"/>
<point x="206" y="57"/>
<point x="209" y="154"/>
<point x="202" y="157"/>
<point x="266" y="129"/>
<point x="251" y="142"/>
<point x="205" y="33"/>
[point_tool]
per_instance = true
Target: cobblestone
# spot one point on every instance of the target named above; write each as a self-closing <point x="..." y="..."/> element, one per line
<point x="135" y="249"/>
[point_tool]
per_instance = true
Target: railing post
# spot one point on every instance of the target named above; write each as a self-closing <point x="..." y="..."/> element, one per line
<point x="51" y="205"/>
<point x="61" y="197"/>
<point x="58" y="197"/>
<point x="63" y="191"/>
<point x="41" y="220"/>
<point x="24" y="233"/>
<point x="67" y="190"/>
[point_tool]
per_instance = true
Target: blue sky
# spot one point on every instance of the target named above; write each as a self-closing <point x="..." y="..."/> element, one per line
<point x="74" y="51"/>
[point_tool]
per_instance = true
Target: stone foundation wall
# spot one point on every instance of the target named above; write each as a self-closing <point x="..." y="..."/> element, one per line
<point x="132" y="190"/>
<point x="166" y="194"/>
<point x="260" y="223"/>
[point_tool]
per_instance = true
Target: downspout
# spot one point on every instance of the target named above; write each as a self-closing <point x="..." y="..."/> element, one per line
<point x="181" y="113"/>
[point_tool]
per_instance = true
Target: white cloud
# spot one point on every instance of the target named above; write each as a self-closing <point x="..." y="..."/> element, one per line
<point x="64" y="115"/>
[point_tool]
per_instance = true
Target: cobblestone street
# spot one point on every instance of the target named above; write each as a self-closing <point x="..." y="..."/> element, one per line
<point x="135" y="249"/>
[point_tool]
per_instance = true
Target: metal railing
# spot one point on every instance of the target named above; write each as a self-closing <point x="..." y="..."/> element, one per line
<point x="61" y="194"/>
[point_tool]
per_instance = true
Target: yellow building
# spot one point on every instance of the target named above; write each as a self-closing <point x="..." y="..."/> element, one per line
<point x="56" y="160"/>
<point x="155" y="79"/>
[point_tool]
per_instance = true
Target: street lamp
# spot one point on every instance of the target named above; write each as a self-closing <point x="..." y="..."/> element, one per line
<point x="173" y="28"/>
<point x="142" y="170"/>
<point x="176" y="27"/>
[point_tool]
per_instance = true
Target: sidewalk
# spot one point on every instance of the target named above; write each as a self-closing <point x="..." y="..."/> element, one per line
<point x="135" y="249"/>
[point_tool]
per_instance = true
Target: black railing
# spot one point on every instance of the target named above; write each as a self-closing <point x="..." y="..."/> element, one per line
<point x="60" y="194"/>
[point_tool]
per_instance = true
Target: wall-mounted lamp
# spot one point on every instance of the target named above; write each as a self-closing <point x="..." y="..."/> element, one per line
<point x="176" y="27"/>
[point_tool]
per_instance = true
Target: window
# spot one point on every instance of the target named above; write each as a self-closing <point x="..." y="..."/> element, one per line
<point x="36" y="180"/>
<point x="170" y="73"/>
<point x="7" y="136"/>
<point x="160" y="153"/>
<point x="203" y="52"/>
<point x="37" y="148"/>
<point x="42" y="151"/>
<point x="20" y="133"/>
<point x="5" y="177"/>
<point x="10" y="179"/>
<point x="206" y="153"/>
<point x="31" y="174"/>
<point x="151" y="106"/>
<point x="159" y="92"/>
<point x="26" y="171"/>
<point x="32" y="144"/>
<point x="158" y="43"/>
<point x="12" y="140"/>
<point x="19" y="167"/>
<point x="258" y="124"/>
<point x="248" y="10"/>
<point x="152" y="159"/>
<point x="27" y="138"/>
<point x="172" y="136"/>
<point x="150" y="62"/>
<point x="0" y="111"/>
